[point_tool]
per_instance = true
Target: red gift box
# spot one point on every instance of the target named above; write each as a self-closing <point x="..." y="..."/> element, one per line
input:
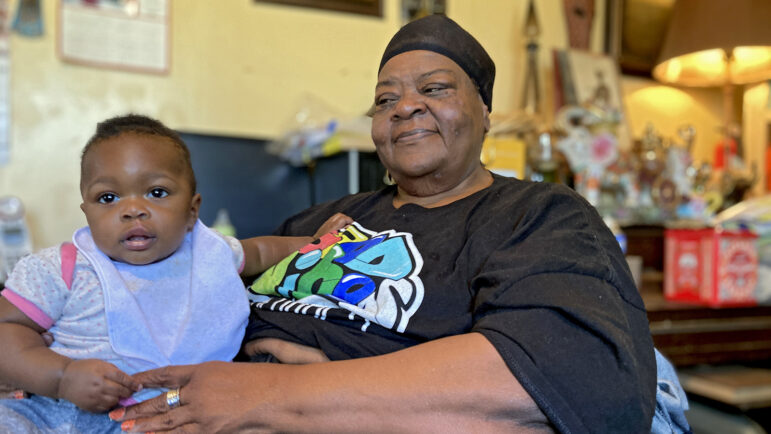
<point x="710" y="266"/>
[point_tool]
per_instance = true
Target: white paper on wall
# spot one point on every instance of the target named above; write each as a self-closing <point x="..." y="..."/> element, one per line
<point x="122" y="34"/>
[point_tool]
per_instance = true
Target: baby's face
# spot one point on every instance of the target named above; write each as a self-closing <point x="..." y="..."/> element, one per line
<point x="137" y="197"/>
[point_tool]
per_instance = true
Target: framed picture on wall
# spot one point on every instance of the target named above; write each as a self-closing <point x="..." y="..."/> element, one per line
<point x="414" y="9"/>
<point x="364" y="7"/>
<point x="635" y="31"/>
<point x="592" y="81"/>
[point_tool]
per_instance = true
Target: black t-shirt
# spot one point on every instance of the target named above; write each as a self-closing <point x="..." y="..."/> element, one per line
<point x="531" y="266"/>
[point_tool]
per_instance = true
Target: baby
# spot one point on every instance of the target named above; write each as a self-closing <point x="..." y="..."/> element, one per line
<point x="144" y="285"/>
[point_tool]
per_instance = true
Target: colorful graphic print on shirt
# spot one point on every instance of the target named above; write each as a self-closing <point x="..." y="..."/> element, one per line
<point x="374" y="275"/>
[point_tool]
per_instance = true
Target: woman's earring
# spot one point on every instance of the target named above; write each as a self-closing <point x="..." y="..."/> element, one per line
<point x="388" y="179"/>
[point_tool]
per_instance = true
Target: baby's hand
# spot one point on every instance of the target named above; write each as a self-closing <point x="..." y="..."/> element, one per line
<point x="333" y="224"/>
<point x="95" y="385"/>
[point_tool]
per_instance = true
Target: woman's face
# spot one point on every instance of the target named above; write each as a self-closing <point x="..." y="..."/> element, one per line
<point x="429" y="121"/>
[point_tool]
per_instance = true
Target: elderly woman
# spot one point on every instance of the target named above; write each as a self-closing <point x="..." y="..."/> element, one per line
<point x="459" y="300"/>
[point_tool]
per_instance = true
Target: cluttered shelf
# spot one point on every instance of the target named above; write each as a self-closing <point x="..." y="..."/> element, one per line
<point x="696" y="332"/>
<point x="690" y="334"/>
<point x="722" y="354"/>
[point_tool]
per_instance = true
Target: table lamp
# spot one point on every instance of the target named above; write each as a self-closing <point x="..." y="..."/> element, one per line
<point x="716" y="43"/>
<point x="712" y="43"/>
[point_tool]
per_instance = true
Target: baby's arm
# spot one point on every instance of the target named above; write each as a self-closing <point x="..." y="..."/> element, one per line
<point x="261" y="253"/>
<point x="27" y="362"/>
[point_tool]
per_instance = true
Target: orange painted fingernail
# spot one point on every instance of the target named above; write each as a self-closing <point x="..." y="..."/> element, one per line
<point x="117" y="414"/>
<point x="127" y="425"/>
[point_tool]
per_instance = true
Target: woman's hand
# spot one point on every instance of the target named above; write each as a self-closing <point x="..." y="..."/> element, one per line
<point x="95" y="385"/>
<point x="212" y="397"/>
<point x="285" y="352"/>
<point x="333" y="224"/>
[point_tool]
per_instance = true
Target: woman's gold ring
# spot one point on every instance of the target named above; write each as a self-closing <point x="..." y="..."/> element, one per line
<point x="172" y="398"/>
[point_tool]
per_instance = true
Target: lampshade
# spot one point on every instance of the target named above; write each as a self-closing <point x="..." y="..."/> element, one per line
<point x="716" y="42"/>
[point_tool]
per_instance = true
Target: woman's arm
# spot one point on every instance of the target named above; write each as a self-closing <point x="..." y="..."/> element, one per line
<point x="27" y="362"/>
<point x="261" y="253"/>
<point x="458" y="384"/>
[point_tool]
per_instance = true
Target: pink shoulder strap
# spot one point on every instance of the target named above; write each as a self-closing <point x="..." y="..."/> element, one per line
<point x="69" y="254"/>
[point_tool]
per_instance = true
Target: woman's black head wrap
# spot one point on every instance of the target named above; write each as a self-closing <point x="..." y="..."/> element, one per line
<point x="442" y="35"/>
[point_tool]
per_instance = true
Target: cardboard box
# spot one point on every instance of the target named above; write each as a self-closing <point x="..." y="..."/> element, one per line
<point x="710" y="266"/>
<point x="505" y="156"/>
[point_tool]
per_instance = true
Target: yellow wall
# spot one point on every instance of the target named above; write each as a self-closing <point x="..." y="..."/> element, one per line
<point x="244" y="68"/>
<point x="668" y="108"/>
<point x="756" y="133"/>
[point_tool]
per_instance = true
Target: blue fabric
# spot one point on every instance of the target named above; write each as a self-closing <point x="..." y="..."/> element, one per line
<point x="42" y="415"/>
<point x="671" y="402"/>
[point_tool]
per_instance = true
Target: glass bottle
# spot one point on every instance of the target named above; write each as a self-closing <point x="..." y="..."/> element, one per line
<point x="545" y="166"/>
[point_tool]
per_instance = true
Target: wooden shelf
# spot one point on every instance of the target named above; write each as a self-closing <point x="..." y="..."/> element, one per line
<point x="739" y="386"/>
<point x="690" y="334"/>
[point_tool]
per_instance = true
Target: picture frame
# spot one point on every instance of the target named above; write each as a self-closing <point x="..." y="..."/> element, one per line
<point x="363" y="7"/>
<point x="634" y="33"/>
<point x="413" y="9"/>
<point x="582" y="78"/>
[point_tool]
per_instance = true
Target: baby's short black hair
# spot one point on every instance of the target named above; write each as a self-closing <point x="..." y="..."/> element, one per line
<point x="138" y="124"/>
